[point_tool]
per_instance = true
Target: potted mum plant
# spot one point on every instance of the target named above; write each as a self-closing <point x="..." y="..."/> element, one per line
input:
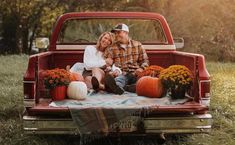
<point x="57" y="80"/>
<point x="176" y="79"/>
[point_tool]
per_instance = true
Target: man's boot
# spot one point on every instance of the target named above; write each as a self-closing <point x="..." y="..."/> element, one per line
<point x="130" y="88"/>
<point x="111" y="86"/>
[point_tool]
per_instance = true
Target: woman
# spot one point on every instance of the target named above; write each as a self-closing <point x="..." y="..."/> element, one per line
<point x="95" y="64"/>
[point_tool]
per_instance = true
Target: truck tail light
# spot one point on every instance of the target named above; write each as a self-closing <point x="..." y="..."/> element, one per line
<point x="29" y="93"/>
<point x="29" y="89"/>
<point x="204" y="91"/>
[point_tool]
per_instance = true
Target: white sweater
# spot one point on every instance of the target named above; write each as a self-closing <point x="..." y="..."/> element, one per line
<point x="93" y="58"/>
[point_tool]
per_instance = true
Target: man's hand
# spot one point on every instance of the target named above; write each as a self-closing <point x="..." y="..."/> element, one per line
<point x="109" y="61"/>
<point x="138" y="71"/>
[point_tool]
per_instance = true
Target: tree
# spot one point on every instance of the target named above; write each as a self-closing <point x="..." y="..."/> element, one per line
<point x="21" y="17"/>
<point x="23" y="20"/>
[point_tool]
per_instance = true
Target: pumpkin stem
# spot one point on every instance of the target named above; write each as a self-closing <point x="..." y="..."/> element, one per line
<point x="68" y="67"/>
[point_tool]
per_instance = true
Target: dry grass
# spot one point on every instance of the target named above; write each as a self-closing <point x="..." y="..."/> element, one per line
<point x="11" y="107"/>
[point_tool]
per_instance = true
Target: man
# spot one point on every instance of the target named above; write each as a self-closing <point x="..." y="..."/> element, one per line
<point x="127" y="54"/>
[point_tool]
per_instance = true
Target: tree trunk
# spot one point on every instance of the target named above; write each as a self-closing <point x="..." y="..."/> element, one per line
<point x="9" y="34"/>
<point x="32" y="37"/>
<point x="25" y="45"/>
<point x="19" y="41"/>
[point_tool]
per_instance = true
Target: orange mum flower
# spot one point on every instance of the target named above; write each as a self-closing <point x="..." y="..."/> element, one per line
<point x="56" y="77"/>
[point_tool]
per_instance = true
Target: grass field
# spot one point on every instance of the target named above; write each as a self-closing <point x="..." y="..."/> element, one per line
<point x="11" y="91"/>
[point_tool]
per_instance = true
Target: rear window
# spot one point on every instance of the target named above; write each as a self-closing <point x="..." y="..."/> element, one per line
<point x="88" y="30"/>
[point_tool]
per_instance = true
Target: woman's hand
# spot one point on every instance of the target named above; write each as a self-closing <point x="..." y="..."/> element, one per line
<point x="107" y="69"/>
<point x="115" y="73"/>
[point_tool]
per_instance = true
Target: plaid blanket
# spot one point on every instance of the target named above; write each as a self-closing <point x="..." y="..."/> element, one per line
<point x="99" y="111"/>
<point x="99" y="120"/>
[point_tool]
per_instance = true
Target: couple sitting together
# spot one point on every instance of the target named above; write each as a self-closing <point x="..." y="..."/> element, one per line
<point x="114" y="62"/>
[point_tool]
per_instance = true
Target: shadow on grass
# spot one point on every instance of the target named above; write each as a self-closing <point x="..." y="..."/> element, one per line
<point x="11" y="113"/>
<point x="110" y="140"/>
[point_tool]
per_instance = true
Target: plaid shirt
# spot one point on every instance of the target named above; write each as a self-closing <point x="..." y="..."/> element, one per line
<point x="130" y="58"/>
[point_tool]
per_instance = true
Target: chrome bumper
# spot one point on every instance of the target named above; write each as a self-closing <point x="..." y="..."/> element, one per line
<point x="179" y="124"/>
<point x="188" y="124"/>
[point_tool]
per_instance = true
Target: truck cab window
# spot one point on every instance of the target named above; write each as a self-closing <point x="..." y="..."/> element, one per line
<point x="77" y="31"/>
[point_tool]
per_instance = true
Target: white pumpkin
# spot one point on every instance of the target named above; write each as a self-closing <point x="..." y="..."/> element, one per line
<point x="77" y="90"/>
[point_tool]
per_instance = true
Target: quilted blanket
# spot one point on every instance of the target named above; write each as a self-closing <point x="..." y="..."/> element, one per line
<point x="100" y="110"/>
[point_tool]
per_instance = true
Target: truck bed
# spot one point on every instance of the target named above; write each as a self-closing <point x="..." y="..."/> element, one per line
<point x="60" y="59"/>
<point x="50" y="60"/>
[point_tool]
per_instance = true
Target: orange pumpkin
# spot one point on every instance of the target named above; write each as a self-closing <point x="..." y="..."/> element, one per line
<point x="152" y="70"/>
<point x="76" y="77"/>
<point x="149" y="87"/>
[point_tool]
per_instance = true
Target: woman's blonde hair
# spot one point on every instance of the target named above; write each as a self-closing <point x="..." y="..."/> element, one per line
<point x="98" y="44"/>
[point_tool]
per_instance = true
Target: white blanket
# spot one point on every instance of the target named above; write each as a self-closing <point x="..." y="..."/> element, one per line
<point x="107" y="100"/>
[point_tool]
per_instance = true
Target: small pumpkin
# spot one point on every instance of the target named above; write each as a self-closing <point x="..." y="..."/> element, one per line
<point x="76" y="77"/>
<point x="149" y="87"/>
<point x="77" y="90"/>
<point x="152" y="70"/>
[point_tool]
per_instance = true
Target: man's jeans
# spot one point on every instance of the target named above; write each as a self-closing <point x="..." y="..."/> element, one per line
<point x="123" y="80"/>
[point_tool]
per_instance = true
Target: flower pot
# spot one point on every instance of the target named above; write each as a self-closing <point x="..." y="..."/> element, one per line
<point x="58" y="93"/>
<point x="178" y="93"/>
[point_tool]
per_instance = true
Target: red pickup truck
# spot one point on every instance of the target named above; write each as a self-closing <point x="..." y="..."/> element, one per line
<point x="72" y="32"/>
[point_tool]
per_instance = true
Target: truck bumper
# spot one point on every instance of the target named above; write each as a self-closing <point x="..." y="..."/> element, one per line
<point x="149" y="125"/>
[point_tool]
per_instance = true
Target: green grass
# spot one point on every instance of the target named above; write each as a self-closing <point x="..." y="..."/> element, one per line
<point x="222" y="106"/>
<point x="13" y="67"/>
<point x="11" y="76"/>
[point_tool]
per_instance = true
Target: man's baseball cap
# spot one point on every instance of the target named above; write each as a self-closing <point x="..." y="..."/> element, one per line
<point x="120" y="27"/>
